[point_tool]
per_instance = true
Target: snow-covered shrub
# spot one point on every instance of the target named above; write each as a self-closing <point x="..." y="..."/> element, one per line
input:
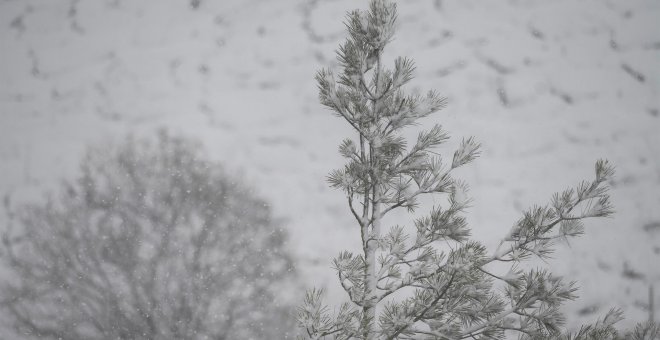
<point x="430" y="280"/>
<point x="151" y="241"/>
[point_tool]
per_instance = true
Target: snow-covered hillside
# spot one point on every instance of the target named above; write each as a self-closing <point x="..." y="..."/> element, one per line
<point x="546" y="86"/>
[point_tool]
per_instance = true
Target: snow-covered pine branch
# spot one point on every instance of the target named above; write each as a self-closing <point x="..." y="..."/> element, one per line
<point x="435" y="283"/>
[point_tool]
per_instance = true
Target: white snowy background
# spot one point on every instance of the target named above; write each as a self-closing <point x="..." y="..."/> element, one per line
<point x="547" y="87"/>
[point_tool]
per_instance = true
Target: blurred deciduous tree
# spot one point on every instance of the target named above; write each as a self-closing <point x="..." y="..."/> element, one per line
<point x="150" y="242"/>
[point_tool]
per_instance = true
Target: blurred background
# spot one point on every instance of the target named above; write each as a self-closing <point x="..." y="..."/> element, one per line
<point x="547" y="87"/>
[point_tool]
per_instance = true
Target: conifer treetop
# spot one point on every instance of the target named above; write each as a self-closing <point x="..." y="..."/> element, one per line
<point x="428" y="280"/>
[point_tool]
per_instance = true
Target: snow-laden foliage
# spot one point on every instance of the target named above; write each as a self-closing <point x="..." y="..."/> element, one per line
<point x="150" y="242"/>
<point x="429" y="280"/>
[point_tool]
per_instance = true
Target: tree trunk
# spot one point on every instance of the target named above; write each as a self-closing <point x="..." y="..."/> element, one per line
<point x="369" y="309"/>
<point x="371" y="238"/>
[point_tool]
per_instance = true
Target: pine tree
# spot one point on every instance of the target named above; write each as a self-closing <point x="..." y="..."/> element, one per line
<point x="429" y="280"/>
